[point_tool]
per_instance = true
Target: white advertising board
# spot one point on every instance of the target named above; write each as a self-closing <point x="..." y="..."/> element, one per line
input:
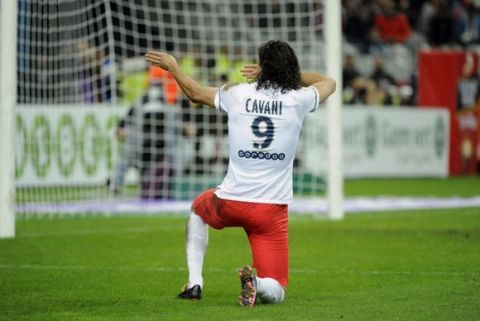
<point x="65" y="145"/>
<point x="75" y="145"/>
<point x="382" y="142"/>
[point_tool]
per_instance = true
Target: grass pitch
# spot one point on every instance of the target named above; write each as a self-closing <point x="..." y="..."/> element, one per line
<point x="420" y="265"/>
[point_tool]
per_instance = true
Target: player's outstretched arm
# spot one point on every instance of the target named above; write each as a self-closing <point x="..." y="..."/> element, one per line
<point x="194" y="91"/>
<point x="324" y="84"/>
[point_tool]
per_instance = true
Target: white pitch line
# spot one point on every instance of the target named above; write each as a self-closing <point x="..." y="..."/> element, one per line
<point x="215" y="270"/>
<point x="92" y="268"/>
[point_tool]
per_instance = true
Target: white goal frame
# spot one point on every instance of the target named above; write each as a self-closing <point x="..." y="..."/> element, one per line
<point x="8" y="92"/>
<point x="333" y="45"/>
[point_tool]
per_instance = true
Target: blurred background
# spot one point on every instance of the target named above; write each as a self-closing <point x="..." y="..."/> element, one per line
<point x="94" y="122"/>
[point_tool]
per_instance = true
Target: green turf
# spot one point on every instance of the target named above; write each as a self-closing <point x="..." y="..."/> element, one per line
<point x="441" y="187"/>
<point x="422" y="265"/>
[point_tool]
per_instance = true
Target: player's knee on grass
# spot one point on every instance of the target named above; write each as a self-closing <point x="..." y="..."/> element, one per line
<point x="270" y="290"/>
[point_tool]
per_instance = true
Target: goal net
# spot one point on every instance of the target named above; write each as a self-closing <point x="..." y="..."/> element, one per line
<point x="100" y="131"/>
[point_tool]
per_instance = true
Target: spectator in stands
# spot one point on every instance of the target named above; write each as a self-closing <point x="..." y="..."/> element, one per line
<point x="381" y="77"/>
<point x="391" y="25"/>
<point x="467" y="111"/>
<point x="96" y="82"/>
<point x="366" y="92"/>
<point x="441" y="27"/>
<point x="133" y="81"/>
<point x="406" y="95"/>
<point x="129" y="132"/>
<point x="356" y="23"/>
<point x="159" y="133"/>
<point x="362" y="90"/>
<point x="149" y="131"/>
<point x="238" y="62"/>
<point x="222" y="64"/>
<point x="426" y="12"/>
<point x="191" y="62"/>
<point x="410" y="8"/>
<point x="171" y="90"/>
<point x="467" y="22"/>
<point x="468" y="88"/>
<point x="349" y="72"/>
<point x="351" y="76"/>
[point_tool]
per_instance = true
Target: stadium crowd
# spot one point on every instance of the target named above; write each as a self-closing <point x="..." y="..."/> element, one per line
<point x="383" y="37"/>
<point x="381" y="42"/>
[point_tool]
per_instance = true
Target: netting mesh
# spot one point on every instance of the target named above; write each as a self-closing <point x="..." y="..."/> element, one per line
<point x="63" y="49"/>
<point x="92" y="112"/>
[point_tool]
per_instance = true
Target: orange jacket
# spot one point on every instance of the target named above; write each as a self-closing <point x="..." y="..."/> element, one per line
<point x="171" y="90"/>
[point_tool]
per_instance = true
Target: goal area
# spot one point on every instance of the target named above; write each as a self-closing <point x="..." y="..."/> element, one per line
<point x="99" y="131"/>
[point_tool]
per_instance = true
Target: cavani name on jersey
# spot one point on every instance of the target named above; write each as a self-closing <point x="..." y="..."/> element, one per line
<point x="266" y="107"/>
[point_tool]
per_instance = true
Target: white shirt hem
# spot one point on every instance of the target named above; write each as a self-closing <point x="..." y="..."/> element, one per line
<point x="251" y="200"/>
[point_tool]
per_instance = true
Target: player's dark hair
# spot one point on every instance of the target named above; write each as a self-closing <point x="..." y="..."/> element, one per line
<point x="280" y="68"/>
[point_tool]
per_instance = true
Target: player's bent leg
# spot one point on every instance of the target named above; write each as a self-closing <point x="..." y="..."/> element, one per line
<point x="197" y="242"/>
<point x="268" y="237"/>
<point x="270" y="255"/>
<point x="269" y="290"/>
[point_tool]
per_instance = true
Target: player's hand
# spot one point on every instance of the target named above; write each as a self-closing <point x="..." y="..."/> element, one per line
<point x="251" y="71"/>
<point x="161" y="59"/>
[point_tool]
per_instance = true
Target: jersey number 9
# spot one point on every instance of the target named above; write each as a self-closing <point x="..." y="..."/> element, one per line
<point x="262" y="127"/>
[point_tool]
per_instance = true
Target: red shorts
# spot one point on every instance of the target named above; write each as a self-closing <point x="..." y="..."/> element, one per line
<point x="265" y="224"/>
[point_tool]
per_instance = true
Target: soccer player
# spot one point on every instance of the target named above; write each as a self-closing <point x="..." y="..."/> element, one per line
<point x="264" y="122"/>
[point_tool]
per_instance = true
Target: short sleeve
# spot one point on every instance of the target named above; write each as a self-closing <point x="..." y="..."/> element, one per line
<point x="310" y="99"/>
<point x="224" y="98"/>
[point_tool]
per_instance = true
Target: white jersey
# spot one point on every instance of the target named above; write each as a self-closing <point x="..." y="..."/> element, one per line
<point x="263" y="131"/>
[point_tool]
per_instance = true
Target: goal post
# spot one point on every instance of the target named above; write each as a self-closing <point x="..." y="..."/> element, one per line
<point x="8" y="90"/>
<point x="333" y="43"/>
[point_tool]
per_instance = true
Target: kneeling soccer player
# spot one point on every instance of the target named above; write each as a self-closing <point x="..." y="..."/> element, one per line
<point x="265" y="118"/>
